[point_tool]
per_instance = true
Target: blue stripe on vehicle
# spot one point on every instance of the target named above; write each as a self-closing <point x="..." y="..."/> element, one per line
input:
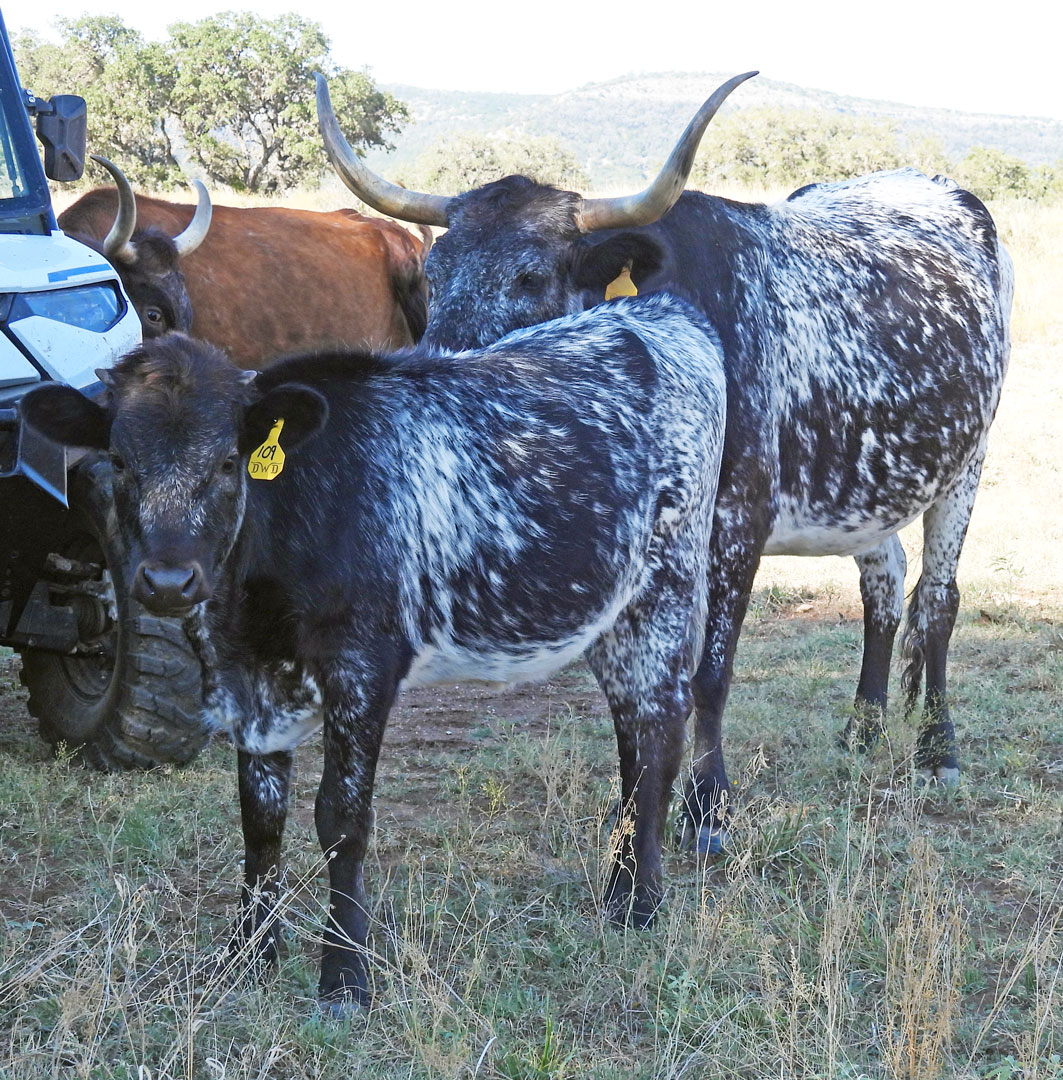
<point x="74" y="271"/>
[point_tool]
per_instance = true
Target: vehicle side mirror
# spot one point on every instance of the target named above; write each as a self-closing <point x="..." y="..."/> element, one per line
<point x="62" y="129"/>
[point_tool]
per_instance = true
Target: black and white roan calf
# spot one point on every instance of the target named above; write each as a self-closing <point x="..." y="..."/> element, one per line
<point x="488" y="515"/>
<point x="865" y="334"/>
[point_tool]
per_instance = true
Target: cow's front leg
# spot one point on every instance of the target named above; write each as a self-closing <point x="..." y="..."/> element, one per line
<point x="651" y="749"/>
<point x="356" y="709"/>
<point x="264" y="781"/>
<point x="706" y="804"/>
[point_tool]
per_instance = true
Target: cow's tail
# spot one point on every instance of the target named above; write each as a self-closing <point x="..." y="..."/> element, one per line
<point x="428" y="238"/>
<point x="913" y="649"/>
<point x="411" y="287"/>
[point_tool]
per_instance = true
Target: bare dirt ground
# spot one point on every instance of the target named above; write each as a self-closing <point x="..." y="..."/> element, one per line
<point x="445" y="720"/>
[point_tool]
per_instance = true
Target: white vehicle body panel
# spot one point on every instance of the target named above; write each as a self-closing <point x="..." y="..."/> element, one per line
<point x="66" y="353"/>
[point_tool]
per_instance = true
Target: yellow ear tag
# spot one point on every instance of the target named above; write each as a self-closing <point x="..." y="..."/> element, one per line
<point x="622" y="285"/>
<point x="267" y="461"/>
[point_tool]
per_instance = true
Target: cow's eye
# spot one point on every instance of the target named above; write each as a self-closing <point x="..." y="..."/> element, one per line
<point x="228" y="466"/>
<point x="117" y="462"/>
<point x="153" y="315"/>
<point x="531" y="282"/>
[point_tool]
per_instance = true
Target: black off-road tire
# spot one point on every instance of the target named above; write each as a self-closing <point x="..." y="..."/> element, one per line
<point x="136" y="707"/>
<point x="137" y="714"/>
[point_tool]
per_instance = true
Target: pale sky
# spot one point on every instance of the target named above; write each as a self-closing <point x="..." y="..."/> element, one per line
<point x="980" y="57"/>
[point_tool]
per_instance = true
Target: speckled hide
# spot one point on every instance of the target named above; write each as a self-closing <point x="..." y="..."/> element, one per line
<point x="483" y="515"/>
<point x="865" y="334"/>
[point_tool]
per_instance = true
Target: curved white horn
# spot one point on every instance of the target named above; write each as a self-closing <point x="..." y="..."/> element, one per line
<point x="196" y="231"/>
<point x="656" y="200"/>
<point x="379" y="193"/>
<point x="116" y="245"/>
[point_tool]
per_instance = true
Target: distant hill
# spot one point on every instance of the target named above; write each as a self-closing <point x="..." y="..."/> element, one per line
<point x="621" y="130"/>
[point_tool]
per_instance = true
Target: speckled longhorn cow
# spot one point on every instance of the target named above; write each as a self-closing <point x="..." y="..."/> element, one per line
<point x="488" y="515"/>
<point x="865" y="335"/>
<point x="258" y="281"/>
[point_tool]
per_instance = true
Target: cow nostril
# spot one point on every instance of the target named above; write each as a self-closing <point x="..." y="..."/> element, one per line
<point x="164" y="583"/>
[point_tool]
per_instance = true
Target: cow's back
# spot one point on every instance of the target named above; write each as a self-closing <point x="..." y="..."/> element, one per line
<point x="865" y="333"/>
<point x="93" y="214"/>
<point x="268" y="281"/>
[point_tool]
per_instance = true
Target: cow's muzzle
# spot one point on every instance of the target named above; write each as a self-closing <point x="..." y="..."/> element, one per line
<point x="170" y="589"/>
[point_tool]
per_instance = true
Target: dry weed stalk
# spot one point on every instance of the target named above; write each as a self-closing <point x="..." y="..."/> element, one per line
<point x="1042" y="956"/>
<point x="923" y="970"/>
<point x="849" y="892"/>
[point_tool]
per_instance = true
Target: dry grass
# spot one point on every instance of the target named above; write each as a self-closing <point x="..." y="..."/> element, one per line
<point x="839" y="940"/>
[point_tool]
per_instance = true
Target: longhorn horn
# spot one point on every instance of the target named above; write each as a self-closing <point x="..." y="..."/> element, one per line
<point x="116" y="245"/>
<point x="656" y="200"/>
<point x="379" y="193"/>
<point x="196" y="231"/>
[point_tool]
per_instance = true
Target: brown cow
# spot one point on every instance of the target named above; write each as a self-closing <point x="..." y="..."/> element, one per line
<point x="262" y="281"/>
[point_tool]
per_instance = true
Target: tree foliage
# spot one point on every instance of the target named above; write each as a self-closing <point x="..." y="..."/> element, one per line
<point x="126" y="83"/>
<point x="234" y="93"/>
<point x="467" y="160"/>
<point x="992" y="174"/>
<point x="777" y="148"/>
<point x="244" y="92"/>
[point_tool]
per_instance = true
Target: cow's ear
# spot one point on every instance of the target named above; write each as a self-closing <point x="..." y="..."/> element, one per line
<point x="304" y="412"/>
<point x="599" y="260"/>
<point x="65" y="416"/>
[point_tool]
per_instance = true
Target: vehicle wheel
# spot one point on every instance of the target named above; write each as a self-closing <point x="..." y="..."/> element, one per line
<point x="129" y="696"/>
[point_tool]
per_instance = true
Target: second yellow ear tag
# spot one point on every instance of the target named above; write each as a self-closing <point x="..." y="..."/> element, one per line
<point x="267" y="461"/>
<point x="621" y="285"/>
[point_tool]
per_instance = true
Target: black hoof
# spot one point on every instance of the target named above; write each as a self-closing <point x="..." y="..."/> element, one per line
<point x="343" y="1007"/>
<point x="637" y="913"/>
<point x="234" y="972"/>
<point x="709" y="839"/>
<point x="945" y="775"/>
<point x="861" y="736"/>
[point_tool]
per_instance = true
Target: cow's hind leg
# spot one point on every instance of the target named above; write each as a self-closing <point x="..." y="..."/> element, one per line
<point x="931" y="617"/>
<point x="641" y="665"/>
<point x="264" y="781"/>
<point x="882" y="589"/>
